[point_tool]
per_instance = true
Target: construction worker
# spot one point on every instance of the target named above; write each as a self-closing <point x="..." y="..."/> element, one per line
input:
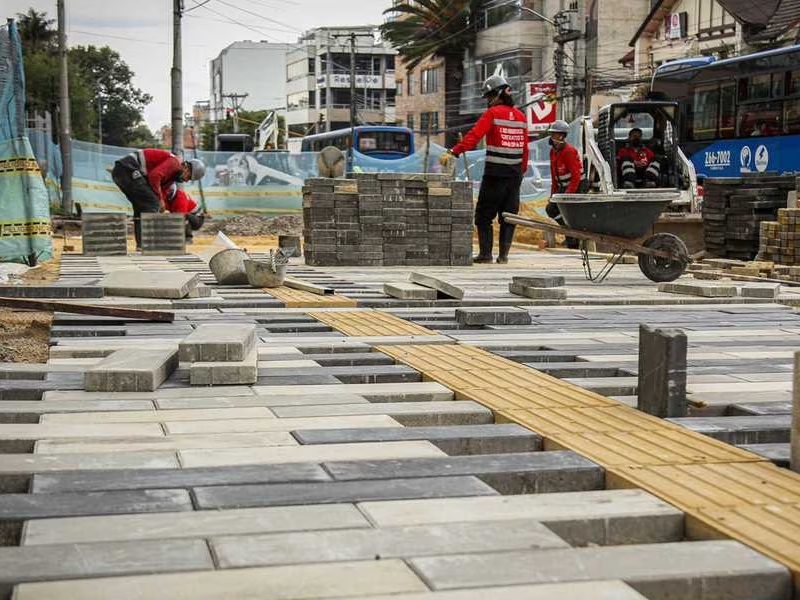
<point x="145" y="177"/>
<point x="179" y="201"/>
<point x="566" y="169"/>
<point x="637" y="162"/>
<point x="506" y="132"/>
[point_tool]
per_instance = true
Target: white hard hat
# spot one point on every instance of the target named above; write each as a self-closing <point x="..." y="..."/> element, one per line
<point x="198" y="168"/>
<point x="494" y="84"/>
<point x="559" y="127"/>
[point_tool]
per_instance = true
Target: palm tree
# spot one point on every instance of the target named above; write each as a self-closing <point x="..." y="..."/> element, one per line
<point x="35" y="30"/>
<point x="440" y="28"/>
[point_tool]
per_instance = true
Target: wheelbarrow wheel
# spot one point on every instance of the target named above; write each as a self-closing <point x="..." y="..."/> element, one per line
<point x="659" y="269"/>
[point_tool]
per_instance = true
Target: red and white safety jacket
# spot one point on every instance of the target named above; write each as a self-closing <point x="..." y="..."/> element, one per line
<point x="179" y="201"/>
<point x="161" y="168"/>
<point x="565" y="170"/>
<point x="506" y="132"/>
<point x="640" y="156"/>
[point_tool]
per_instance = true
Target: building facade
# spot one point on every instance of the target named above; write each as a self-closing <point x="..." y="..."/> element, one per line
<point x="421" y="99"/>
<point x="257" y="69"/>
<point x="317" y="77"/>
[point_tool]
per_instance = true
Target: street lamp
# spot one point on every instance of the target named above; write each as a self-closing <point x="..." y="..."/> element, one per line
<point x="540" y="15"/>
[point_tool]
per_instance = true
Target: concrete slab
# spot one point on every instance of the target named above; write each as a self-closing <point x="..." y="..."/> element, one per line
<point x="218" y="343"/>
<point x="408" y="291"/>
<point x="285" y="424"/>
<point x="444" y="288"/>
<point x="27" y="464"/>
<point x="383" y="543"/>
<point x="132" y="370"/>
<point x="765" y="429"/>
<point x="659" y="571"/>
<point x="158" y="416"/>
<point x="243" y="372"/>
<point x="243" y="496"/>
<point x="539" y="281"/>
<point x="707" y="290"/>
<point x="248" y="401"/>
<point x="78" y="561"/>
<point x="420" y="391"/>
<point x="452" y="439"/>
<point x="334" y="580"/>
<point x="492" y="316"/>
<point x="149" y="284"/>
<point x="590" y="590"/>
<point x="318" y="453"/>
<point x="455" y="412"/>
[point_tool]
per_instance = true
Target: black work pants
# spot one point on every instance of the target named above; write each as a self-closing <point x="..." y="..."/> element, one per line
<point x="129" y="178"/>
<point x="497" y="195"/>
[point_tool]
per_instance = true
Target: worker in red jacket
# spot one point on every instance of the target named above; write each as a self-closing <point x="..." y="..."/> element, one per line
<point x="566" y="169"/>
<point x="178" y="201"/>
<point x="145" y="177"/>
<point x="506" y="132"/>
<point x="637" y="162"/>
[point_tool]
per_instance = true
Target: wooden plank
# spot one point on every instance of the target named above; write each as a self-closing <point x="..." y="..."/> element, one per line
<point x="88" y="309"/>
<point x="304" y="286"/>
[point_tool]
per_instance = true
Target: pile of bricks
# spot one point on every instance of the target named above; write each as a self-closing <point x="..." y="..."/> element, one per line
<point x="387" y="219"/>
<point x="104" y="234"/>
<point x="734" y="208"/>
<point x="780" y="240"/>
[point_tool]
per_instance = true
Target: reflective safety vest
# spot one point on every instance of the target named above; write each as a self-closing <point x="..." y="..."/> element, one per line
<point x="565" y="170"/>
<point x="506" y="131"/>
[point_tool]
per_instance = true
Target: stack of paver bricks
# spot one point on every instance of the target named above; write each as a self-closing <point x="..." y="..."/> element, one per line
<point x="780" y="240"/>
<point x="734" y="208"/>
<point x="104" y="234"/>
<point x="385" y="219"/>
<point x="163" y="234"/>
<point x="221" y="354"/>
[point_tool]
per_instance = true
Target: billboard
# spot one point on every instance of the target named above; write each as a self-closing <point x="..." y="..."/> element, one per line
<point x="541" y="114"/>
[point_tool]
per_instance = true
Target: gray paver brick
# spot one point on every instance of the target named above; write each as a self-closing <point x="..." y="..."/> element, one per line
<point x="218" y="343"/>
<point x="493" y="316"/>
<point x="132" y="370"/>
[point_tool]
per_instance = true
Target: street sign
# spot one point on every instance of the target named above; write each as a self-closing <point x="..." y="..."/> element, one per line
<point x="543" y="113"/>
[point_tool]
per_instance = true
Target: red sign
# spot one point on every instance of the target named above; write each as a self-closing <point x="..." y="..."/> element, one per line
<point x="542" y="113"/>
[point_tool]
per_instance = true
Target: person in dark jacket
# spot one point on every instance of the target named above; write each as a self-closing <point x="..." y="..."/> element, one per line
<point x="506" y="131"/>
<point x="145" y="177"/>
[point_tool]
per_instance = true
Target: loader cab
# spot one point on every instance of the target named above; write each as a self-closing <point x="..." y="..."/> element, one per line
<point x="657" y="122"/>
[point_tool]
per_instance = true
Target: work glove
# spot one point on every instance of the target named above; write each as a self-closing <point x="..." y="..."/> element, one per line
<point x="445" y="158"/>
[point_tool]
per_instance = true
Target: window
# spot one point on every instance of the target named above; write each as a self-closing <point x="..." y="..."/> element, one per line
<point x="429" y="120"/>
<point x="499" y="12"/>
<point x="298" y="69"/>
<point x="299" y="101"/>
<point x="791" y="117"/>
<point x="410" y="82"/>
<point x="410" y="121"/>
<point x="399" y="87"/>
<point x="705" y="107"/>
<point x="794" y="83"/>
<point x="755" y="87"/>
<point x="430" y="81"/>
<point x="765" y="118"/>
<point x="312" y="65"/>
<point x="727" y="111"/>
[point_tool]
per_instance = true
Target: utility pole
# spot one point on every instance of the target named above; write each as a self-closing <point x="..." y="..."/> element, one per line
<point x="177" y="79"/>
<point x="65" y="135"/>
<point x="236" y="105"/>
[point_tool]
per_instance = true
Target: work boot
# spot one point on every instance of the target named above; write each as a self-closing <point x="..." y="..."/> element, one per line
<point x="485" y="241"/>
<point x="506" y="238"/>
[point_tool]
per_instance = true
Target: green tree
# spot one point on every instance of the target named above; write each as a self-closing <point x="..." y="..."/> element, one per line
<point x="437" y="28"/>
<point x="35" y="31"/>
<point x="141" y="137"/>
<point x="118" y="103"/>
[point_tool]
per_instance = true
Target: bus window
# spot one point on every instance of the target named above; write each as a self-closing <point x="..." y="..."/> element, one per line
<point x="758" y="87"/>
<point x="760" y="119"/>
<point x="792" y="115"/>
<point x="727" y="112"/>
<point x="794" y="83"/>
<point x="705" y="105"/>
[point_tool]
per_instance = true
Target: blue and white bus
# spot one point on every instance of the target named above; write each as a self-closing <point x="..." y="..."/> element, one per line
<point x="738" y="115"/>
<point x="377" y="141"/>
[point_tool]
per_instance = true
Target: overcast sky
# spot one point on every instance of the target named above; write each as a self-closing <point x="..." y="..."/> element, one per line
<point x="141" y="31"/>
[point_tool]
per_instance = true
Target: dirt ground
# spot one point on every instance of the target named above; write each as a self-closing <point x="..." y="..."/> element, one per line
<point x="24" y="336"/>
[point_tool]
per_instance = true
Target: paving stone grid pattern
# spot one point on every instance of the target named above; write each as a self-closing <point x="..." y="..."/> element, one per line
<point x="381" y="434"/>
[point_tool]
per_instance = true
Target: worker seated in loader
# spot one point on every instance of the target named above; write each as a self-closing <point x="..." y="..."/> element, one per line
<point x="638" y="165"/>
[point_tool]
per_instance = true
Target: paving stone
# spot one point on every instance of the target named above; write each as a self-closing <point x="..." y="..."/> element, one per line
<point x="29" y="411"/>
<point x="316" y="453"/>
<point x="336" y="492"/>
<point x="283" y="424"/>
<point x="444" y="288"/>
<point x="706" y="290"/>
<point x="383" y="543"/>
<point x="492" y="316"/>
<point x="594" y="590"/>
<point x="538" y="293"/>
<point x="453" y="439"/>
<point x="166" y="443"/>
<point x="348" y="374"/>
<point x="78" y="561"/>
<point x="51" y="291"/>
<point x="149" y="284"/>
<point x="661" y="387"/>
<point x="751" y="409"/>
<point x="423" y="391"/>
<point x="760" y="290"/>
<point x="408" y="291"/>
<point x="722" y="569"/>
<point x="334" y="580"/>
<point x="132" y="370"/>
<point x="520" y="473"/>
<point x="765" y="429"/>
<point x="605" y="517"/>
<point x="225" y="373"/>
<point x="410" y="414"/>
<point x="158" y="416"/>
<point x="268" y="401"/>
<point x="218" y="343"/>
<point x="231" y="391"/>
<point x="539" y="281"/>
